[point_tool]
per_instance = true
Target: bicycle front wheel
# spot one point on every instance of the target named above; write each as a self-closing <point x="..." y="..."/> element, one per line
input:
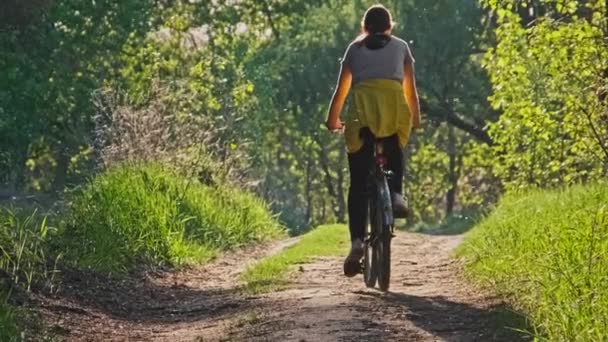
<point x="383" y="250"/>
<point x="370" y="259"/>
<point x="382" y="246"/>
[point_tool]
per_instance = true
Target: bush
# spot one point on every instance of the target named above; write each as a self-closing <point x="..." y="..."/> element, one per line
<point x="548" y="252"/>
<point x="148" y="215"/>
<point x="158" y="132"/>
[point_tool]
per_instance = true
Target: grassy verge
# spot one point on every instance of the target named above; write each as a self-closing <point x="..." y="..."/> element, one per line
<point x="148" y="215"/>
<point x="547" y="251"/>
<point x="126" y="218"/>
<point x="271" y="273"/>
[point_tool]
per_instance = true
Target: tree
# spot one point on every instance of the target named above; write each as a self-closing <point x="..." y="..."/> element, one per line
<point x="546" y="79"/>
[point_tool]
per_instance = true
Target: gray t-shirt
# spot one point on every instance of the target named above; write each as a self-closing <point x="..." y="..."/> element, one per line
<point x="384" y="63"/>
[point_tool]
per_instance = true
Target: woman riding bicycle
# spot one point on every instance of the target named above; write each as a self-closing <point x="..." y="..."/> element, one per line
<point x="380" y="67"/>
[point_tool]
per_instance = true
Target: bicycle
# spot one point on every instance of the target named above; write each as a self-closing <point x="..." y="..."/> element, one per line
<point x="376" y="265"/>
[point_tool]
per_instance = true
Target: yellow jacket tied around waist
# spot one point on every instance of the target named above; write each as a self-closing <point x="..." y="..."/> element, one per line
<point x="379" y="105"/>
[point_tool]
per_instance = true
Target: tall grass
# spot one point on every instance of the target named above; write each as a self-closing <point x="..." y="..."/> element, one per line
<point x="148" y="215"/>
<point x="24" y="261"/>
<point x="24" y="238"/>
<point x="548" y="252"/>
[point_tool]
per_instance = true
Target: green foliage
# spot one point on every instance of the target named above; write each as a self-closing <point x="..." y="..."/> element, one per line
<point x="147" y="215"/>
<point x="546" y="78"/>
<point x="53" y="62"/>
<point x="426" y="180"/>
<point x="270" y="273"/>
<point x="478" y="186"/>
<point x="546" y="252"/>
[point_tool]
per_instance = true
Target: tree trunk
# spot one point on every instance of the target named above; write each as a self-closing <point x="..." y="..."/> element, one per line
<point x="452" y="118"/>
<point x="61" y="170"/>
<point x="453" y="173"/>
<point x="407" y="186"/>
<point x="308" y="189"/>
<point x="266" y="11"/>
<point x="323" y="209"/>
<point x="338" y="209"/>
<point x="17" y="174"/>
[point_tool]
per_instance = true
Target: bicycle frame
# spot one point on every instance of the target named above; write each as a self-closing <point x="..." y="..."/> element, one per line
<point x="380" y="176"/>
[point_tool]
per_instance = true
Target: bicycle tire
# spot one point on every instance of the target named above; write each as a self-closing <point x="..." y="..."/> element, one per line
<point x="370" y="259"/>
<point x="384" y="236"/>
<point x="384" y="255"/>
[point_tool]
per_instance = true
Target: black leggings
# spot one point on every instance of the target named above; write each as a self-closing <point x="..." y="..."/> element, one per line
<point x="360" y="164"/>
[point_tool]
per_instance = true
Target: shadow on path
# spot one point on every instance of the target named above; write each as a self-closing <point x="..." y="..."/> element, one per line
<point x="141" y="299"/>
<point x="454" y="321"/>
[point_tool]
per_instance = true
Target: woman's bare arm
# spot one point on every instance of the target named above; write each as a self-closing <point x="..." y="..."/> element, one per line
<point x="411" y="93"/>
<point x="337" y="101"/>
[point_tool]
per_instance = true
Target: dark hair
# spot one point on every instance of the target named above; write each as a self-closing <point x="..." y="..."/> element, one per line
<point x="377" y="20"/>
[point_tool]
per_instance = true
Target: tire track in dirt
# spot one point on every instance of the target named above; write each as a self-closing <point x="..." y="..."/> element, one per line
<point x="428" y="301"/>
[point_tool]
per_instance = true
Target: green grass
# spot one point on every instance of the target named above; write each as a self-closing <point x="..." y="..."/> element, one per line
<point x="149" y="216"/>
<point x="547" y="252"/>
<point x="24" y="262"/>
<point x="8" y="325"/>
<point x="270" y="274"/>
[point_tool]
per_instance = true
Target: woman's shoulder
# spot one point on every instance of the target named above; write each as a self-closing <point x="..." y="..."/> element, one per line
<point x="400" y="41"/>
<point x="355" y="43"/>
<point x="404" y="47"/>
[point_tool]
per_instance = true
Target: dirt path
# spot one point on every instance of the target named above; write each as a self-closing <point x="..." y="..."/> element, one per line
<point x="428" y="301"/>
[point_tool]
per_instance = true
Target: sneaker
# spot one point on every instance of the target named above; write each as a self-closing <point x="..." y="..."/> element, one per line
<point x="352" y="264"/>
<point x="400" y="207"/>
